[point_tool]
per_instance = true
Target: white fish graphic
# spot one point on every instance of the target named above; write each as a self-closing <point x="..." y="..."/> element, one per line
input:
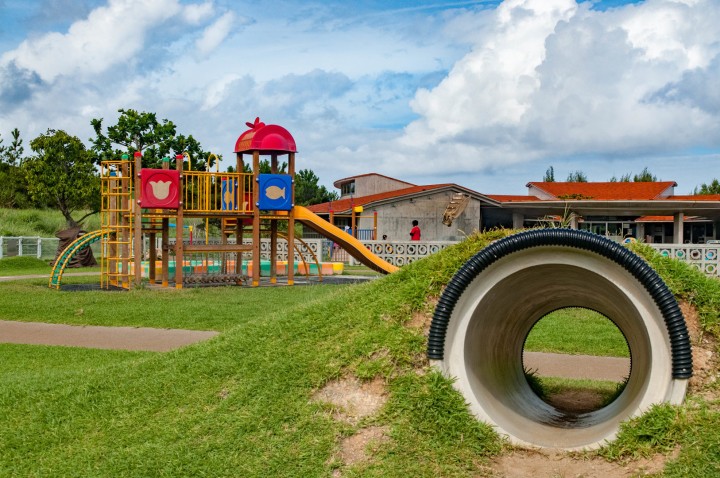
<point x="161" y="189"/>
<point x="274" y="192"/>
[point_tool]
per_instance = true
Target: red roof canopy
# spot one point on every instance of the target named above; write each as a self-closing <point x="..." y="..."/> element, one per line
<point x="269" y="138"/>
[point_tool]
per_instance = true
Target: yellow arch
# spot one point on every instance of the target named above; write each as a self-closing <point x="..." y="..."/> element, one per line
<point x="66" y="256"/>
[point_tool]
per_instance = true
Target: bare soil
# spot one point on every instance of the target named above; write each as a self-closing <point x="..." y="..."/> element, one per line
<point x="352" y="401"/>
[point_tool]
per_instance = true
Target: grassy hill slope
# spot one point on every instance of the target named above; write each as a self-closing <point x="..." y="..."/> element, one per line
<point x="243" y="404"/>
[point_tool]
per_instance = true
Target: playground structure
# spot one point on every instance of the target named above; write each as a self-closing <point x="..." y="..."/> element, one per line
<point x="482" y="318"/>
<point x="143" y="204"/>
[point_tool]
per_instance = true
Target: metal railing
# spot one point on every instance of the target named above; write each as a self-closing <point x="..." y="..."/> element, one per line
<point x="28" y="246"/>
<point x="208" y="192"/>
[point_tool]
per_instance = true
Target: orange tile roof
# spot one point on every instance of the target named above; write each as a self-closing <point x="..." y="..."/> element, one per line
<point x="605" y="191"/>
<point x="346" y="203"/>
<point x="512" y="198"/>
<point x="654" y="219"/>
<point x="669" y="219"/>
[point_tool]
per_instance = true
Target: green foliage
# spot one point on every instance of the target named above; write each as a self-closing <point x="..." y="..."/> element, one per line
<point x="645" y="176"/>
<point x="39" y="222"/>
<point x="705" y="189"/>
<point x="141" y="131"/>
<point x="22" y="265"/>
<point x="687" y="283"/>
<point x="241" y="404"/>
<point x="308" y="191"/>
<point x="62" y="174"/>
<point x="656" y="431"/>
<point x="14" y="153"/>
<point x="549" y="175"/>
<point x="13" y="187"/>
<point x="576" y="177"/>
<point x="584" y="331"/>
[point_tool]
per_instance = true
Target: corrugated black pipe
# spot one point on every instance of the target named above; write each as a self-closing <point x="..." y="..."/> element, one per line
<point x="648" y="278"/>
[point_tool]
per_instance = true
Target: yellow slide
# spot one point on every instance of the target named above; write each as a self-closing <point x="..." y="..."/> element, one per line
<point x="354" y="247"/>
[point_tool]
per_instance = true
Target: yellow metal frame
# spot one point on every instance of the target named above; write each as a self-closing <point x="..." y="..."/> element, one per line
<point x="116" y="218"/>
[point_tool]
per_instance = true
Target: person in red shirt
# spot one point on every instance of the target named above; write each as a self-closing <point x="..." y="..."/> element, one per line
<point x="415" y="231"/>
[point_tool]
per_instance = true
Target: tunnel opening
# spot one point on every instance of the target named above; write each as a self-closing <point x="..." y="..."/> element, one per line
<point x="491" y="305"/>
<point x="576" y="360"/>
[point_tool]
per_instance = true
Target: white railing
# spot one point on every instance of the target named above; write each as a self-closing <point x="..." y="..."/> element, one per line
<point x="33" y="246"/>
<point x="397" y="253"/>
<point x="702" y="256"/>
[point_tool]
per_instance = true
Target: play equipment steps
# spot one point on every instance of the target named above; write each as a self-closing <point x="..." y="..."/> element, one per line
<point x="66" y="256"/>
<point x="457" y="205"/>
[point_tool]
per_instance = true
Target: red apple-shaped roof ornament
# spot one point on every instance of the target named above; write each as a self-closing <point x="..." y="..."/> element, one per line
<point x="267" y="139"/>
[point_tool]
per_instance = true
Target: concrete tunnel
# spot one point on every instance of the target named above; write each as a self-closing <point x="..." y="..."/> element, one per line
<point x="489" y="307"/>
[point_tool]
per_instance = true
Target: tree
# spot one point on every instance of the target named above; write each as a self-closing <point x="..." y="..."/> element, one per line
<point x="549" y="175"/>
<point x="13" y="187"/>
<point x="62" y="173"/>
<point x="141" y="131"/>
<point x="13" y="153"/>
<point x="645" y="176"/>
<point x="308" y="191"/>
<point x="712" y="188"/>
<point x="576" y="177"/>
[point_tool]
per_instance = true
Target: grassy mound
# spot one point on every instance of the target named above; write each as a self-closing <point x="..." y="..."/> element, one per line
<point x="245" y="403"/>
<point x="38" y="222"/>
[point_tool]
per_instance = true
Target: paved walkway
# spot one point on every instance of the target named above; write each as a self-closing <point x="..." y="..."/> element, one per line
<point x="46" y="276"/>
<point x="162" y="340"/>
<point x="613" y="369"/>
<point x="91" y="336"/>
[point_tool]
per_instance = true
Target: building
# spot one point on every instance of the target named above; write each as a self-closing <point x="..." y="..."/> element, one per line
<point x="646" y="210"/>
<point x="381" y="206"/>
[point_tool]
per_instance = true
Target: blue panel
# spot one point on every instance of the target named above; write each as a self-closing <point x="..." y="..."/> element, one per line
<point x="275" y="192"/>
<point x="229" y="194"/>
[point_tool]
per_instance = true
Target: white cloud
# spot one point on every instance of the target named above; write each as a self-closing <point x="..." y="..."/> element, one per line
<point x="553" y="79"/>
<point x="197" y="13"/>
<point x="215" y="33"/>
<point x="110" y="35"/>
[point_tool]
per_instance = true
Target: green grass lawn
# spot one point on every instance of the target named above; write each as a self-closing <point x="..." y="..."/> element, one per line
<point x="39" y="222"/>
<point x="241" y="404"/>
<point x="577" y="331"/>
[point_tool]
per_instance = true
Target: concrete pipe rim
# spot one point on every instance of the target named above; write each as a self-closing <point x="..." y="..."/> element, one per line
<point x="497" y="305"/>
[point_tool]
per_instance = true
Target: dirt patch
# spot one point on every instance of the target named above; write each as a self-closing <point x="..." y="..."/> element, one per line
<point x="705" y="361"/>
<point x="359" y="447"/>
<point x="353" y="400"/>
<point x="576" y="400"/>
<point x="421" y="320"/>
<point x="553" y="464"/>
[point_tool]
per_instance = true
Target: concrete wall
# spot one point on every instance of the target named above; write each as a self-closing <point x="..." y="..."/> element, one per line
<point x="395" y="219"/>
<point x="372" y="184"/>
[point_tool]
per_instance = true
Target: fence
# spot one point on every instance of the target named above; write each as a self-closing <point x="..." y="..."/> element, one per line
<point x="40" y="247"/>
<point x="397" y="253"/>
<point x="702" y="256"/>
<point x="705" y="257"/>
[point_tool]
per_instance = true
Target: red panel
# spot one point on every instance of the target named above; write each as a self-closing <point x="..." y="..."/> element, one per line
<point x="160" y="188"/>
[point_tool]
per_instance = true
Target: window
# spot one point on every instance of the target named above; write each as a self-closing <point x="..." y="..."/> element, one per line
<point x="347" y="188"/>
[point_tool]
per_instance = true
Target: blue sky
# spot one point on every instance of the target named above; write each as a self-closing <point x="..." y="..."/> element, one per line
<point x="487" y="94"/>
